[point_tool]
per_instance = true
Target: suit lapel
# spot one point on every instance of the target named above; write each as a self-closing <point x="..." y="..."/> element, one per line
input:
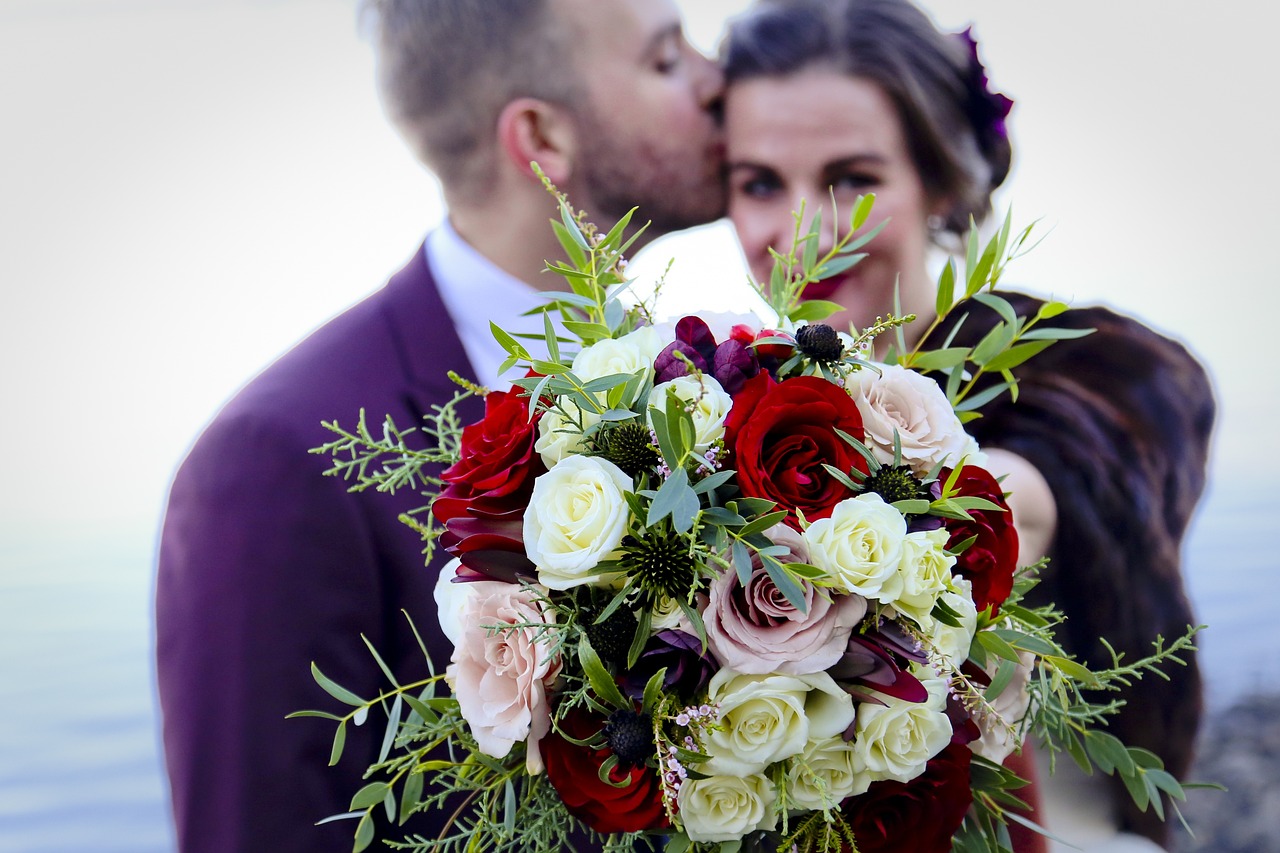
<point x="426" y="339"/>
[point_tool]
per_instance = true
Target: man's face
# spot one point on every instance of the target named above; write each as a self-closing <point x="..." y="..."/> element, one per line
<point x="649" y="134"/>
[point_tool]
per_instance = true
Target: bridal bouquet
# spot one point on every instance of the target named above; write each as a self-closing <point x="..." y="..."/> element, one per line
<point x="728" y="582"/>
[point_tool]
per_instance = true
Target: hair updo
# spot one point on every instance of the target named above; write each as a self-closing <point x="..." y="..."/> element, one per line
<point x="954" y="126"/>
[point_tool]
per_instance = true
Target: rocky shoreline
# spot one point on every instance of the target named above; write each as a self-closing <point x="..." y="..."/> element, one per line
<point x="1239" y="749"/>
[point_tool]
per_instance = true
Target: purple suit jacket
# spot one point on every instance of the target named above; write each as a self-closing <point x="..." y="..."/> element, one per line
<point x="266" y="566"/>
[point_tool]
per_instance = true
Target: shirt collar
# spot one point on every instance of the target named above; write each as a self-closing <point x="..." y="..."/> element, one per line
<point x="476" y="291"/>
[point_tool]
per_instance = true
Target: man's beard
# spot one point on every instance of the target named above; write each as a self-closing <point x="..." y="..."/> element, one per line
<point x="671" y="193"/>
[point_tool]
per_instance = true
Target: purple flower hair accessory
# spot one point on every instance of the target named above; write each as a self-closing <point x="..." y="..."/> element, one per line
<point x="988" y="110"/>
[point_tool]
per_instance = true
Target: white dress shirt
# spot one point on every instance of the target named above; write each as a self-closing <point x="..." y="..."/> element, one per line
<point x="476" y="291"/>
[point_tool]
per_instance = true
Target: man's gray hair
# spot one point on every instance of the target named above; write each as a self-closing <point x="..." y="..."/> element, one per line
<point x="447" y="68"/>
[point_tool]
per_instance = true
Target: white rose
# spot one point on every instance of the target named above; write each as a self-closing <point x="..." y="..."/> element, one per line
<point x="559" y="434"/>
<point x="823" y="774"/>
<point x="631" y="354"/>
<point x="913" y="405"/>
<point x="725" y="808"/>
<point x="710" y="406"/>
<point x="949" y="642"/>
<point x="860" y="545"/>
<point x="667" y="615"/>
<point x="896" y="740"/>
<point x="767" y="718"/>
<point x="925" y="568"/>
<point x="1001" y="724"/>
<point x="452" y="600"/>
<point x="576" y="517"/>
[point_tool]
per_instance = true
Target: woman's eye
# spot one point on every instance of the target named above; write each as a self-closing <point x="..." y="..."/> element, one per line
<point x="858" y="181"/>
<point x="758" y="187"/>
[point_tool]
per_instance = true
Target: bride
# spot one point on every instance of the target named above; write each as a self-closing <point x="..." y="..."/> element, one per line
<point x="1105" y="450"/>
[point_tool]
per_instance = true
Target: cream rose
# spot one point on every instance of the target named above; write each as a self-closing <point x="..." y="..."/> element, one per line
<point x="631" y="354"/>
<point x="754" y="629"/>
<point x="576" y="517"/>
<point x="500" y="675"/>
<point x="767" y="718"/>
<point x="950" y="643"/>
<point x="725" y="808"/>
<point x="710" y="406"/>
<point x="560" y="431"/>
<point x="1001" y="723"/>
<point x="896" y="740"/>
<point x="822" y="775"/>
<point x="859" y="546"/>
<point x="925" y="569"/>
<point x="911" y="404"/>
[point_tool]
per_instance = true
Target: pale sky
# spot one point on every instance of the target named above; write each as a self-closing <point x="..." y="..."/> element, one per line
<point x="186" y="188"/>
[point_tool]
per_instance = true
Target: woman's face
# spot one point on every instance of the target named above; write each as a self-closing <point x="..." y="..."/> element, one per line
<point x="809" y="136"/>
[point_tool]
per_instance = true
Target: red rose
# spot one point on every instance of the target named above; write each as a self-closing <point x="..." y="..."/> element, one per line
<point x="989" y="563"/>
<point x="488" y="488"/>
<point x="781" y="433"/>
<point x="920" y="815"/>
<point x="574" y="772"/>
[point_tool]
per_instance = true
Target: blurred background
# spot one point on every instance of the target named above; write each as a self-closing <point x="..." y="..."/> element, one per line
<point x="189" y="186"/>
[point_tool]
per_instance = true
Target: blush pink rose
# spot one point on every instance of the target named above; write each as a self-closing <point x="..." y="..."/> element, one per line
<point x="501" y="677"/>
<point x="753" y="629"/>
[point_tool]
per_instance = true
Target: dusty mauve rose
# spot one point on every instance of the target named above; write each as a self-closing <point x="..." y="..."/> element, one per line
<point x="573" y="771"/>
<point x="911" y="404"/>
<point x="920" y="815"/>
<point x="989" y="563"/>
<point x="482" y="503"/>
<point x="500" y="677"/>
<point x="754" y="629"/>
<point x="780" y="435"/>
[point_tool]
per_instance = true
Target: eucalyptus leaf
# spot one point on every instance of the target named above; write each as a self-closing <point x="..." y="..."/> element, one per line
<point x="598" y="677"/>
<point x="940" y="359"/>
<point x="837" y="265"/>
<point x="946" y="289"/>
<point x="393" y="727"/>
<point x="364" y="833"/>
<point x="411" y="795"/>
<point x="1055" y="334"/>
<point x="814" y="310"/>
<point x="339" y="741"/>
<point x="370" y="795"/>
<point x="573" y="247"/>
<point x="334" y="689"/>
<point x="810" y="240"/>
<point x="998" y="304"/>
<point x="1016" y="355"/>
<point x="787" y="585"/>
<point x="993" y="343"/>
<point x="742" y="562"/>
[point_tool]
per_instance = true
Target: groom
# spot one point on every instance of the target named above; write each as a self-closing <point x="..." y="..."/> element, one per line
<point x="266" y="566"/>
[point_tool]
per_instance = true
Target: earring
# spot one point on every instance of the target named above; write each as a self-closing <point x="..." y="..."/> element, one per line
<point x="935" y="223"/>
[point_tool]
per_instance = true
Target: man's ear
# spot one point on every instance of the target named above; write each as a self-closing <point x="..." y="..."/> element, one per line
<point x="534" y="130"/>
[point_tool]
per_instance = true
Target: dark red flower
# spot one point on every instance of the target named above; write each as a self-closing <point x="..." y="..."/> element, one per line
<point x="920" y="815"/>
<point x="574" y="772"/>
<point x="780" y="434"/>
<point x="488" y="488"/>
<point x="989" y="563"/>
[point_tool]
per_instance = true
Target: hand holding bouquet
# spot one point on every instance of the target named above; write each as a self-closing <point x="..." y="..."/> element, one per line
<point x="730" y="582"/>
